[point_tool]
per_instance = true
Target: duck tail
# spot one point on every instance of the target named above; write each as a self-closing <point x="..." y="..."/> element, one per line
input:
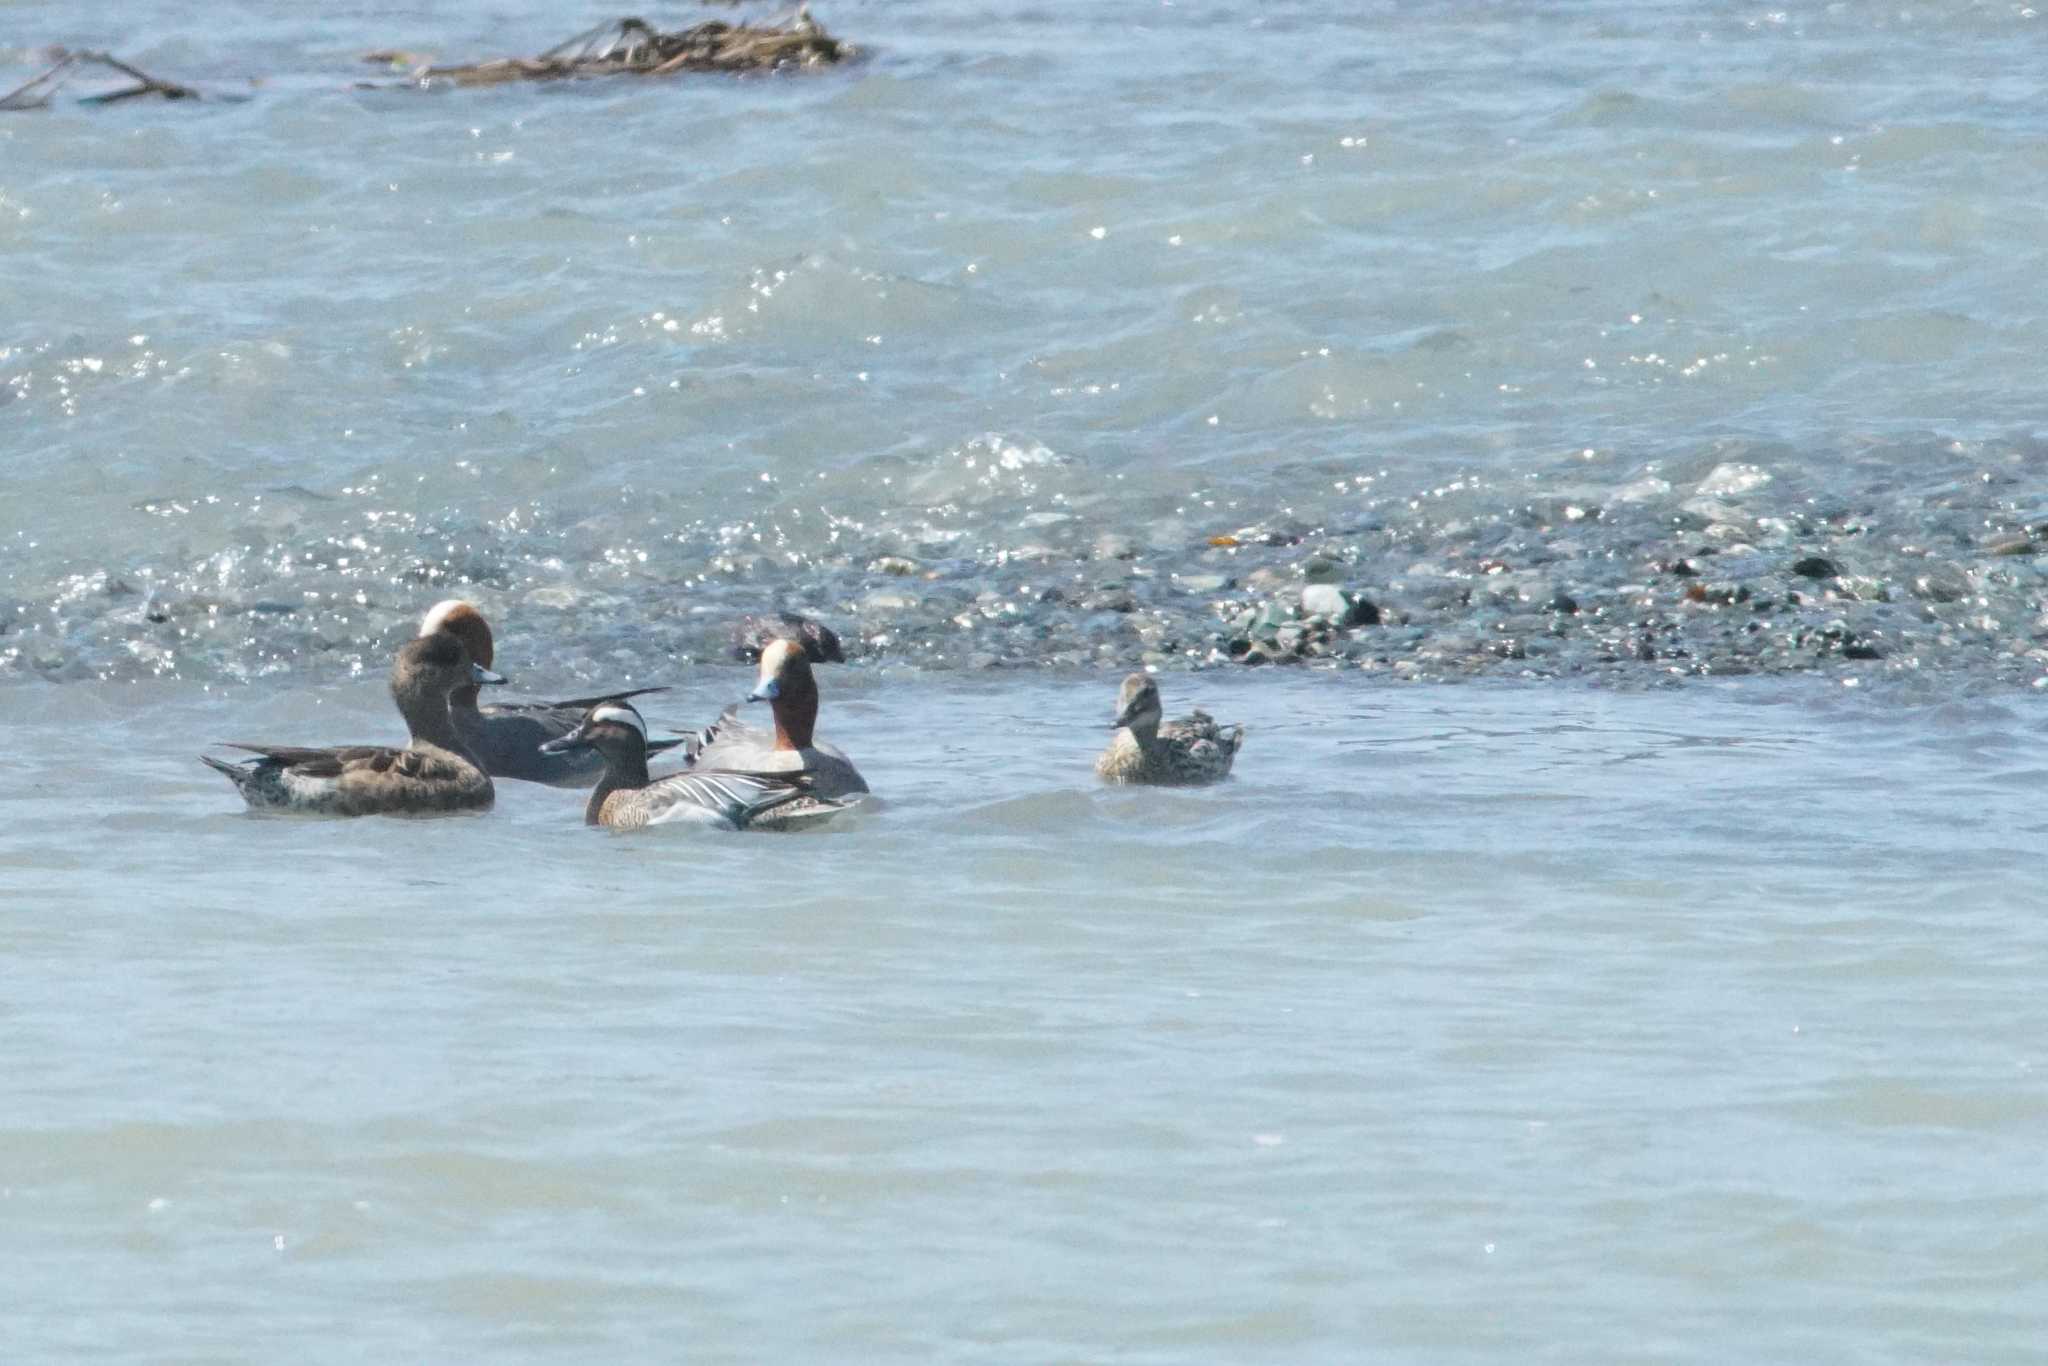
<point x="763" y="805"/>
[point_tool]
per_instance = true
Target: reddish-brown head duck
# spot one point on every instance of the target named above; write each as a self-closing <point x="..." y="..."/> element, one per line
<point x="506" y="737"/>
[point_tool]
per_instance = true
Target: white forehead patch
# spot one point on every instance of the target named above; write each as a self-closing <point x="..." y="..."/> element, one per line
<point x="623" y="715"/>
<point x="437" y="615"/>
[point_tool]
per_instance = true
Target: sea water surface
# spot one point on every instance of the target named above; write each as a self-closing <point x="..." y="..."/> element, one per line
<point x="1621" y="944"/>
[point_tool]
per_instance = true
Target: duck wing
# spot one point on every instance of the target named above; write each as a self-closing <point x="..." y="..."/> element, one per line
<point x="357" y="761"/>
<point x="728" y="796"/>
<point x="731" y="743"/>
<point x="1199" y="726"/>
<point x="578" y="705"/>
<point x="316" y="763"/>
<point x="532" y="723"/>
<point x="727" y="742"/>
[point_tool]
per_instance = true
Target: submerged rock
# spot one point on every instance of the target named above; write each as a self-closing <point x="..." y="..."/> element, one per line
<point x="1941" y="583"/>
<point x="1815" y="567"/>
<point x="1343" y="609"/>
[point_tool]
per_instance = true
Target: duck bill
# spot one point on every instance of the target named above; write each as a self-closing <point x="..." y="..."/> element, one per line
<point x="479" y="674"/>
<point x="575" y="740"/>
<point x="766" y="692"/>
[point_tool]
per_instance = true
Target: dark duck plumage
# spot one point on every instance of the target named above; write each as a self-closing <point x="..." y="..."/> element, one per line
<point x="506" y="737"/>
<point x="434" y="774"/>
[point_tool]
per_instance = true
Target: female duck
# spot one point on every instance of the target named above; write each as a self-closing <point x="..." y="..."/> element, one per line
<point x="1182" y="753"/>
<point x="787" y="686"/>
<point x="626" y="798"/>
<point x="506" y="737"/>
<point x="433" y="775"/>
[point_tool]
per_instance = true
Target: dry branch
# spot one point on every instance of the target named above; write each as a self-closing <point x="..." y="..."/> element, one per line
<point x="633" y="47"/>
<point x="36" y="93"/>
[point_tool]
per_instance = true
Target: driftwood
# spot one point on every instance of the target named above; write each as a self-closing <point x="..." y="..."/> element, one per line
<point x="633" y="47"/>
<point x="620" y="47"/>
<point x="36" y="93"/>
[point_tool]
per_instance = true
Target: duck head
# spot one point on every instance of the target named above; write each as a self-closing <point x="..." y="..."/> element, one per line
<point x="787" y="686"/>
<point x="753" y="634"/>
<point x="429" y="668"/>
<point x="1137" y="704"/>
<point x="613" y="728"/>
<point x="461" y="620"/>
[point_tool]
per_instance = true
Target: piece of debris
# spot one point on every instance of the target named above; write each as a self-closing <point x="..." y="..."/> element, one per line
<point x="398" y="59"/>
<point x="634" y="47"/>
<point x="36" y="93"/>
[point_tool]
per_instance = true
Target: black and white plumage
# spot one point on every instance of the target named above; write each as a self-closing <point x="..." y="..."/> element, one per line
<point x="627" y="798"/>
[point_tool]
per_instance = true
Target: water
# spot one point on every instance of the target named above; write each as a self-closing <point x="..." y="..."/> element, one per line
<point x="1664" y="990"/>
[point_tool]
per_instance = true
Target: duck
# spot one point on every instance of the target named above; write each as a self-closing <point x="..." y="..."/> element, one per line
<point x="1183" y="753"/>
<point x="752" y="633"/>
<point x="787" y="685"/>
<point x="506" y="737"/>
<point x="434" y="774"/>
<point x="627" y="798"/>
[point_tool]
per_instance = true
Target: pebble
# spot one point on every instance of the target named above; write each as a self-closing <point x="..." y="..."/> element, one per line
<point x="1732" y="480"/>
<point x="1942" y="583"/>
<point x="1267" y="580"/>
<point x="1343" y="609"/>
<point x="1110" y="600"/>
<point x="1815" y="567"/>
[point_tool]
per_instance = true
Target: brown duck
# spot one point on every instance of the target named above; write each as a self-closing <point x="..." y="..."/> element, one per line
<point x="435" y="774"/>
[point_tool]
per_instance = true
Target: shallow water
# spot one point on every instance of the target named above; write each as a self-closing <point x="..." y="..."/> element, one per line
<point x="1666" y="990"/>
<point x="1480" y="312"/>
<point x="1464" y="1023"/>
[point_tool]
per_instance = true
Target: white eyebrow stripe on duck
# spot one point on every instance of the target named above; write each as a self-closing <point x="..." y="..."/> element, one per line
<point x="624" y="716"/>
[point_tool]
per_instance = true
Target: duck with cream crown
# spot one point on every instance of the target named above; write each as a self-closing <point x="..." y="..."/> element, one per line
<point x="506" y="737"/>
<point x="627" y="798"/>
<point x="787" y="685"/>
<point x="435" y="774"/>
<point x="1147" y="750"/>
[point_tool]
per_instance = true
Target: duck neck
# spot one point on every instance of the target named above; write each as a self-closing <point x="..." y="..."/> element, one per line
<point x="796" y="715"/>
<point x="1145" y="731"/>
<point x="426" y="717"/>
<point x="622" y="773"/>
<point x="463" y="699"/>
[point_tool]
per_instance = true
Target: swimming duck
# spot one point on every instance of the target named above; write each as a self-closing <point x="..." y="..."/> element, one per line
<point x="787" y="686"/>
<point x="506" y="737"/>
<point x="626" y="798"/>
<point x="433" y="775"/>
<point x="1181" y="753"/>
<point x="751" y="634"/>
